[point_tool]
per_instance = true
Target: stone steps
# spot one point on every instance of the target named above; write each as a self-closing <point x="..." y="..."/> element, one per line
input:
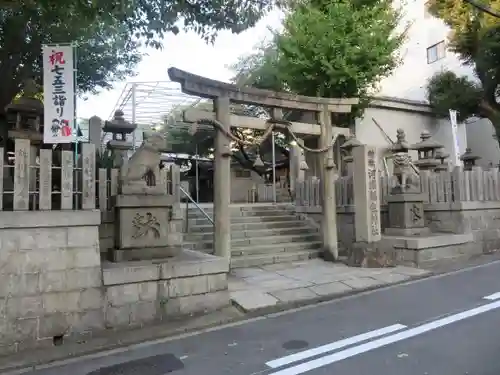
<point x="259" y="235"/>
<point x="275" y="248"/>
<point x="258" y="241"/>
<point x="240" y="214"/>
<point x="208" y="228"/>
<point x="261" y="260"/>
<point x="245" y="219"/>
<point x="249" y="233"/>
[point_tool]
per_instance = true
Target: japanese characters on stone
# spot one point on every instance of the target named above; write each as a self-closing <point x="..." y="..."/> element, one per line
<point x="372" y="190"/>
<point x="58" y="90"/>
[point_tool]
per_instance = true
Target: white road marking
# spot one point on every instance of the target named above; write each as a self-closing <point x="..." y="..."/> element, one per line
<point x="384" y="341"/>
<point x="334" y="346"/>
<point x="492" y="297"/>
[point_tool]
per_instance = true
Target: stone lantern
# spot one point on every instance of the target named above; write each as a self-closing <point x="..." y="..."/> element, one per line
<point x="469" y="159"/>
<point x="26" y="115"/>
<point x="347" y="147"/>
<point x="441" y="155"/>
<point x="119" y="128"/>
<point x="426" y="150"/>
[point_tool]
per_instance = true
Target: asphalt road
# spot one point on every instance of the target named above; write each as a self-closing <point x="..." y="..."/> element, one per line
<point x="441" y="325"/>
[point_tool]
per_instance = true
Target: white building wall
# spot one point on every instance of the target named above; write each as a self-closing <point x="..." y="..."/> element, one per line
<point x="410" y="78"/>
<point x="409" y="81"/>
<point x="412" y="117"/>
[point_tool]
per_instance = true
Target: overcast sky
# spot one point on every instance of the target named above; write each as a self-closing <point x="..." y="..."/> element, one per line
<point x="186" y="51"/>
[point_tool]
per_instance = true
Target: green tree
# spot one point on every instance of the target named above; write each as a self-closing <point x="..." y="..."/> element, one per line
<point x="475" y="37"/>
<point x="330" y="48"/>
<point x="182" y="140"/>
<point x="108" y="34"/>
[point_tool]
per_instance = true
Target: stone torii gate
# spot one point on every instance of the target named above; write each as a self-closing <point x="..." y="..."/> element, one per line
<point x="222" y="94"/>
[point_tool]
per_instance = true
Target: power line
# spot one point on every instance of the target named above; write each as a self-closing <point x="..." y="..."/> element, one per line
<point x="483" y="8"/>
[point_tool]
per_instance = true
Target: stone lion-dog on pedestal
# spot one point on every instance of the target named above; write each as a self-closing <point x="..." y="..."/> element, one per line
<point x="141" y="173"/>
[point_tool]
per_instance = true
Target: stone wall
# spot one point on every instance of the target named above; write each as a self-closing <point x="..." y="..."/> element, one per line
<point x="107" y="233"/>
<point x="50" y="276"/>
<point x="482" y="219"/>
<point x="345" y="223"/>
<point x="53" y="283"/>
<point x="140" y="292"/>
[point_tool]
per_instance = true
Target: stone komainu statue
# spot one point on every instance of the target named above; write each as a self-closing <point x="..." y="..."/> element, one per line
<point x="144" y="162"/>
<point x="402" y="168"/>
<point x="407" y="179"/>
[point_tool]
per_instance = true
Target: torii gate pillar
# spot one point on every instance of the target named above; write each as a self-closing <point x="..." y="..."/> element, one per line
<point x="222" y="182"/>
<point x="222" y="93"/>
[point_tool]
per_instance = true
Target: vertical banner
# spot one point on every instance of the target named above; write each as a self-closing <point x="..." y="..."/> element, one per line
<point x="456" y="144"/>
<point x="58" y="94"/>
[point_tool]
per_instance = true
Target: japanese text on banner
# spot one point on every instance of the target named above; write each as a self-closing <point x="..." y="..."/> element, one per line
<point x="58" y="93"/>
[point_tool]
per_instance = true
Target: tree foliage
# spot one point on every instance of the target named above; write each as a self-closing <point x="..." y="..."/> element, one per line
<point x="448" y="91"/>
<point x="331" y="48"/>
<point x="182" y="140"/>
<point x="108" y="34"/>
<point x="475" y="37"/>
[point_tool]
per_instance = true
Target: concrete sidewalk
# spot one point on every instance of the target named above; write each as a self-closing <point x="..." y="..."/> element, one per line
<point x="280" y="286"/>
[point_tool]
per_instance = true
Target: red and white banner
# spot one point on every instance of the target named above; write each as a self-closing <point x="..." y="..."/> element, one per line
<point x="58" y="94"/>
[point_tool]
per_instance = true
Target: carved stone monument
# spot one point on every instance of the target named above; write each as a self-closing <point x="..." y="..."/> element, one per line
<point x="148" y="224"/>
<point x="366" y="251"/>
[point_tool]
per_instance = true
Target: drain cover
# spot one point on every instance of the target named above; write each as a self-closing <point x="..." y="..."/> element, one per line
<point x="155" y="365"/>
<point x="295" y="344"/>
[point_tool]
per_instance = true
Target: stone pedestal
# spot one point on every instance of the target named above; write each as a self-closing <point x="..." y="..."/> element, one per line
<point x="147" y="228"/>
<point x="406" y="215"/>
<point x="371" y="255"/>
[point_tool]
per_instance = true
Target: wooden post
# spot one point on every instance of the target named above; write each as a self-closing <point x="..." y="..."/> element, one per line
<point x="103" y="189"/>
<point x="67" y="180"/>
<point x="88" y="176"/>
<point x="329" y="217"/>
<point x="45" y="180"/>
<point x="222" y="182"/>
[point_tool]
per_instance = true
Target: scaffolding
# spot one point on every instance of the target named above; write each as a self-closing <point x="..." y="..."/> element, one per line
<point x="154" y="105"/>
<point x="158" y="106"/>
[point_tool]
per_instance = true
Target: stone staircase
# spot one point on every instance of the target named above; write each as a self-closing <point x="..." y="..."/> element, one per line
<point x="260" y="235"/>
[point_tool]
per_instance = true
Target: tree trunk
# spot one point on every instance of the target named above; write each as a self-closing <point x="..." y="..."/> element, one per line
<point x="492" y="112"/>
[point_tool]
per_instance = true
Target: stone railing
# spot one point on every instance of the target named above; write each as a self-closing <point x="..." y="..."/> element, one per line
<point x="476" y="185"/>
<point x="43" y="179"/>
<point x="264" y="192"/>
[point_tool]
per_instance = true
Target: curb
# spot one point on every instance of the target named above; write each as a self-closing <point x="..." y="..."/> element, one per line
<point x="30" y="365"/>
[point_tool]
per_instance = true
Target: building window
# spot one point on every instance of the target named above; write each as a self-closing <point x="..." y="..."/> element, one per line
<point x="242" y="173"/>
<point x="436" y="52"/>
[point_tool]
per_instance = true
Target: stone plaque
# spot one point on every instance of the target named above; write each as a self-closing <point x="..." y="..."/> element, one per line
<point x="415" y="214"/>
<point x="144" y="227"/>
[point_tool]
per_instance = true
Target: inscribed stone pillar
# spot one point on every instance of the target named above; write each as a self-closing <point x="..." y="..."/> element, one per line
<point x="329" y="212"/>
<point x="366" y="194"/>
<point x="222" y="181"/>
